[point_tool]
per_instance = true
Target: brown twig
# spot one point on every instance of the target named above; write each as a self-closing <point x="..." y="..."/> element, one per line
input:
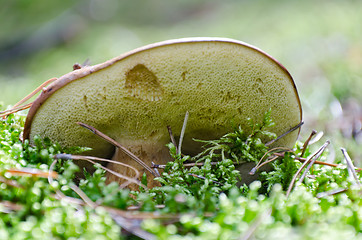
<point x="306" y="143"/>
<point x="316" y="162"/>
<point x="115" y="143"/>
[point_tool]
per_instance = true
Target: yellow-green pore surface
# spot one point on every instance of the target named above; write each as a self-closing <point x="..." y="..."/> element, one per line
<point x="220" y="84"/>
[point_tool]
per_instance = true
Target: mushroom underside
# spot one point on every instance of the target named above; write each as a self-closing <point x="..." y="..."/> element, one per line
<point x="135" y="97"/>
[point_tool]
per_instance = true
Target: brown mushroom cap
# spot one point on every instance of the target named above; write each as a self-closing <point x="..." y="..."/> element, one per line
<point x="134" y="97"/>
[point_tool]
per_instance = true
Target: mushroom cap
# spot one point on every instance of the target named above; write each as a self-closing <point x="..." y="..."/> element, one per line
<point x="134" y="97"/>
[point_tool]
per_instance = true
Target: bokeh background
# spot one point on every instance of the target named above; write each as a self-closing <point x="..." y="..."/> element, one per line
<point x="318" y="41"/>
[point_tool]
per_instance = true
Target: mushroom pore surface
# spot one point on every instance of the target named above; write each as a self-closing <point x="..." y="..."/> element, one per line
<point x="133" y="98"/>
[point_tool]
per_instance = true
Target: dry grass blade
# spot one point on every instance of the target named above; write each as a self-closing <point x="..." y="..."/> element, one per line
<point x="351" y="168"/>
<point x="9" y="182"/>
<point x="17" y="107"/>
<point x="93" y="159"/>
<point x="50" y="180"/>
<point x="44" y="84"/>
<point x="96" y="159"/>
<point x="260" y="164"/>
<point x="32" y="172"/>
<point x="116" y="144"/>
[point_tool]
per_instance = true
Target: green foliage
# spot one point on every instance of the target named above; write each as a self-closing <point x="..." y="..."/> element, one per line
<point x="240" y="146"/>
<point x="282" y="172"/>
<point x="199" y="192"/>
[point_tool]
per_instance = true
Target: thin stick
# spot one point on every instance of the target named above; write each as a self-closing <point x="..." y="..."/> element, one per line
<point x="316" y="162"/>
<point x="330" y="193"/>
<point x="182" y="132"/>
<point x="300" y="170"/>
<point x="83" y="196"/>
<point x="14" y="110"/>
<point x="305" y="145"/>
<point x="350" y="166"/>
<point x="50" y="180"/>
<point x="252" y="228"/>
<point x="325" y="145"/>
<point x="113" y="142"/>
<point x="9" y="182"/>
<point x="284" y="134"/>
<point x="8" y="207"/>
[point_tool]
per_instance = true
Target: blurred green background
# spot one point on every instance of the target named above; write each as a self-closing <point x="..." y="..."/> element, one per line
<point x="319" y="42"/>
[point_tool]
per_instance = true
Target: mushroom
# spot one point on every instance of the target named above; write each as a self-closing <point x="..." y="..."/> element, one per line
<point x="134" y="97"/>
